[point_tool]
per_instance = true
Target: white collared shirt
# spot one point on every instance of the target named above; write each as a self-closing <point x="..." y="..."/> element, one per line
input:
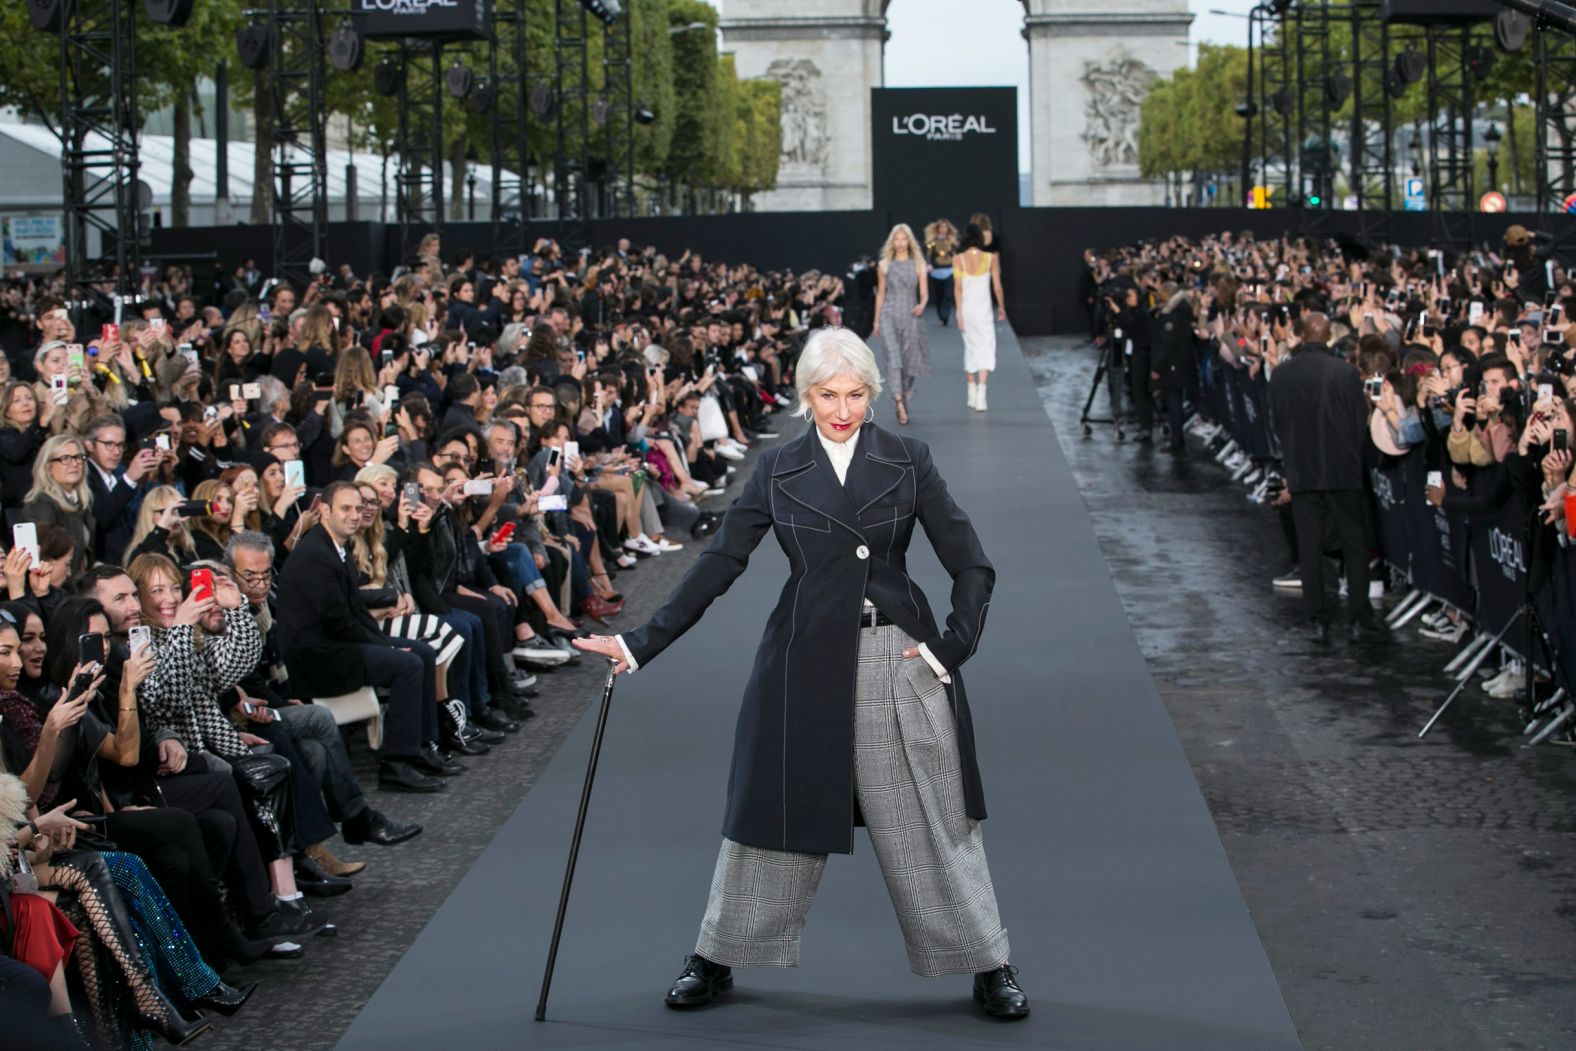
<point x="841" y="454"/>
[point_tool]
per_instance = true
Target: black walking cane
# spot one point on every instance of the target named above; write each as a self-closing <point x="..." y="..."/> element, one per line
<point x="574" y="847"/>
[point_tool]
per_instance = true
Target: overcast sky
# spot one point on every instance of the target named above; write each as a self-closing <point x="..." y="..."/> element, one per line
<point x="934" y="45"/>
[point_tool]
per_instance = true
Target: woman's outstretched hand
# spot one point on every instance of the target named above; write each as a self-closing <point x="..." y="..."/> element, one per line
<point x="604" y="646"/>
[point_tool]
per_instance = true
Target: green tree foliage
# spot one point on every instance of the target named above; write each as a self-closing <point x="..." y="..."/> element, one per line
<point x="759" y="134"/>
<point x="692" y="157"/>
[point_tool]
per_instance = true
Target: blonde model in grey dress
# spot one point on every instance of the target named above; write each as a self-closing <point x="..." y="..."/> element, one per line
<point x="903" y="334"/>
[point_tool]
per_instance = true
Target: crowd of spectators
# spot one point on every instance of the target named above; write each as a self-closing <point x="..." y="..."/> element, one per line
<point x="1413" y="405"/>
<point x="231" y="508"/>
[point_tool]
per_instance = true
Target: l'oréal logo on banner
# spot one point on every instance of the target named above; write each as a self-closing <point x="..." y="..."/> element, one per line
<point x="402" y="7"/>
<point x="935" y="127"/>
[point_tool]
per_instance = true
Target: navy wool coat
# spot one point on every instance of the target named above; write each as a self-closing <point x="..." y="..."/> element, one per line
<point x="792" y="781"/>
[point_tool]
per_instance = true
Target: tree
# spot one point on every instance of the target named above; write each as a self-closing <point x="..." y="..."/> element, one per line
<point x="692" y="155"/>
<point x="653" y="82"/>
<point x="759" y="134"/>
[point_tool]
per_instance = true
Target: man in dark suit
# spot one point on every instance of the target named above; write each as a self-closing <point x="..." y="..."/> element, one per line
<point x="1321" y="418"/>
<point x="117" y="492"/>
<point x="332" y="646"/>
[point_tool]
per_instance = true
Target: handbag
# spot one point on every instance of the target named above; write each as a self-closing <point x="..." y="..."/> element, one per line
<point x="712" y="423"/>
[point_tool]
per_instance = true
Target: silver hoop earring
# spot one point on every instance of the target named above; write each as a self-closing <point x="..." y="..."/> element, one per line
<point x="870" y="413"/>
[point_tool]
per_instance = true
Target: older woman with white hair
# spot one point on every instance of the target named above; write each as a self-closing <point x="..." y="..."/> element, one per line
<point x="61" y="496"/>
<point x="855" y="707"/>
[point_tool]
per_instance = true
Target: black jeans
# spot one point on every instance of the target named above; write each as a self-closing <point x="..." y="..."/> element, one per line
<point x="1332" y="519"/>
<point x="169" y="840"/>
<point x="227" y="832"/>
<point x="410" y="674"/>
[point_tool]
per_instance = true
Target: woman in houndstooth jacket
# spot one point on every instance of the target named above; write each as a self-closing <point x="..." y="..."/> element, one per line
<point x="856" y="707"/>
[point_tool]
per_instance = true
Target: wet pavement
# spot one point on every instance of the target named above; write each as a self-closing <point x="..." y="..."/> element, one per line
<point x="1411" y="894"/>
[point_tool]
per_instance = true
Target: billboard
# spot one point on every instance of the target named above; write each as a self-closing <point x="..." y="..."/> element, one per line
<point x="433" y="19"/>
<point x="944" y="152"/>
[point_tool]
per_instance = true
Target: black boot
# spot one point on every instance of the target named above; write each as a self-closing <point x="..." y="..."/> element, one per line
<point x="997" y="991"/>
<point x="699" y="982"/>
<point x="372" y="826"/>
<point x="226" y="999"/>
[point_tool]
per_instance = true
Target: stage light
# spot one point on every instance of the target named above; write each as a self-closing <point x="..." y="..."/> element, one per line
<point x="346" y="49"/>
<point x="600" y="111"/>
<point x="252" y="46"/>
<point x="388" y="76"/>
<point x="1394" y="85"/>
<point x="1338" y="88"/>
<point x="606" y="10"/>
<point x="1280" y="7"/>
<point x="1511" y="29"/>
<point x="643" y="114"/>
<point x="168" y="12"/>
<point x="1280" y="102"/>
<point x="1410" y="65"/>
<point x="49" y="15"/>
<point x="542" y="100"/>
<point x="483" y="98"/>
<point x="459" y="79"/>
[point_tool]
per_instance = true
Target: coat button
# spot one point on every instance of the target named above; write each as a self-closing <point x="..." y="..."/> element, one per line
<point x="862" y="551"/>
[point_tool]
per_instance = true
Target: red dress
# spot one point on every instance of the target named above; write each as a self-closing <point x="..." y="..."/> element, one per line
<point x="43" y="936"/>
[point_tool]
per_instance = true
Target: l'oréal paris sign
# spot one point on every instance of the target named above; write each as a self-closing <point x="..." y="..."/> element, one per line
<point x="935" y="127"/>
<point x="443" y="19"/>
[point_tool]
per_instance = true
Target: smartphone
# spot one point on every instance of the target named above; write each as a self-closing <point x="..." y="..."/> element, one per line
<point x="1474" y="312"/>
<point x="556" y="502"/>
<point x="109" y="334"/>
<point x="253" y="709"/>
<point x="202" y="583"/>
<point x="193" y="508"/>
<point x="1375" y="388"/>
<point x="1545" y="392"/>
<point x="75" y="355"/>
<point x="264" y="314"/>
<point x="156" y="324"/>
<point x="139" y="636"/>
<point x="235" y="392"/>
<point x="210" y="414"/>
<point x="504" y="534"/>
<point x="295" y="474"/>
<point x="251" y="391"/>
<point x="478" y="487"/>
<point x="162" y="441"/>
<point x="1560" y="441"/>
<point x="58" y="392"/>
<point x="25" y="536"/>
<point x="572" y="450"/>
<point x="385" y="358"/>
<point x="188" y="352"/>
<point x="412" y="494"/>
<point x="553" y="457"/>
<point x="1514" y="335"/>
<point x="90" y="648"/>
<point x="1436" y="479"/>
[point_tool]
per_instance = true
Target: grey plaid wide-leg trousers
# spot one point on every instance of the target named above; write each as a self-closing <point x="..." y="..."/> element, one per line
<point x="910" y="790"/>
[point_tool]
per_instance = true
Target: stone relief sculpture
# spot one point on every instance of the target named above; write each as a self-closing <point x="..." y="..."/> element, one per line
<point x="1115" y="91"/>
<point x="803" y="112"/>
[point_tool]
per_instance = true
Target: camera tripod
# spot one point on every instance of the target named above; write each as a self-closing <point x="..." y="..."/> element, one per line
<point x="1104" y="366"/>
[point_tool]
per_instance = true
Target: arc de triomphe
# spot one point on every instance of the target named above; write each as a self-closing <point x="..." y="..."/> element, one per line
<point x="1090" y="64"/>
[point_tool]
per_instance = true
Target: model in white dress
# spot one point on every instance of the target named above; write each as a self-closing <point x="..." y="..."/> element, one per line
<point x="975" y="276"/>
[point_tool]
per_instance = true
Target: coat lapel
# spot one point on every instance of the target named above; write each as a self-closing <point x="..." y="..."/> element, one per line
<point x="877" y="468"/>
<point x="805" y="474"/>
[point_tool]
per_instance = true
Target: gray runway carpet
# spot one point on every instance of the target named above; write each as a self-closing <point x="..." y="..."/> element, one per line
<point x="1125" y="918"/>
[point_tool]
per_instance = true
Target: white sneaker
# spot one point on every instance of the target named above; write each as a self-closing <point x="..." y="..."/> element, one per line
<point x="979" y="400"/>
<point x="539" y="652"/>
<point x="1506" y="673"/>
<point x="973" y="394"/>
<point x="729" y="452"/>
<point x="1446" y="632"/>
<point x="1291" y="580"/>
<point x="667" y="545"/>
<point x="642" y="543"/>
<point x="1375" y="590"/>
<point x="716" y="490"/>
<point x="1514" y="686"/>
<point x="626" y="561"/>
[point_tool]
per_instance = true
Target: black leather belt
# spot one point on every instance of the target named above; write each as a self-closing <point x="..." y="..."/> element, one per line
<point x="873" y="618"/>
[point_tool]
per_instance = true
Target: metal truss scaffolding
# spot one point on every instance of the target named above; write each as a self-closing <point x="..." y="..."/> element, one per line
<point x="1275" y="106"/>
<point x="618" y="73"/>
<point x="1450" y="134"/>
<point x="511" y="197"/>
<point x="572" y="66"/>
<point x="420" y="143"/>
<point x="1372" y="137"/>
<point x="297" y="78"/>
<point x="98" y="132"/>
<point x="1555" y="96"/>
<point x="1315" y="149"/>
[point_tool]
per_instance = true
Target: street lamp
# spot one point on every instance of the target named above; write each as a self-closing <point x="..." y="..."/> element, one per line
<point x="692" y="27"/>
<point x="1491" y="137"/>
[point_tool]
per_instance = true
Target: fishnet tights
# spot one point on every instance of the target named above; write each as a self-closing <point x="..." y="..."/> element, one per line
<point x="116" y="943"/>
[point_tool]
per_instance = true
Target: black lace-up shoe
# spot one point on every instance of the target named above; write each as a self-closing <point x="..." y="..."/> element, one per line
<point x="700" y="981"/>
<point x="997" y="991"/>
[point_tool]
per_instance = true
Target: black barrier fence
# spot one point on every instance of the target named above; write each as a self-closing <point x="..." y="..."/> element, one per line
<point x="1042" y="248"/>
<point x="1476" y="563"/>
